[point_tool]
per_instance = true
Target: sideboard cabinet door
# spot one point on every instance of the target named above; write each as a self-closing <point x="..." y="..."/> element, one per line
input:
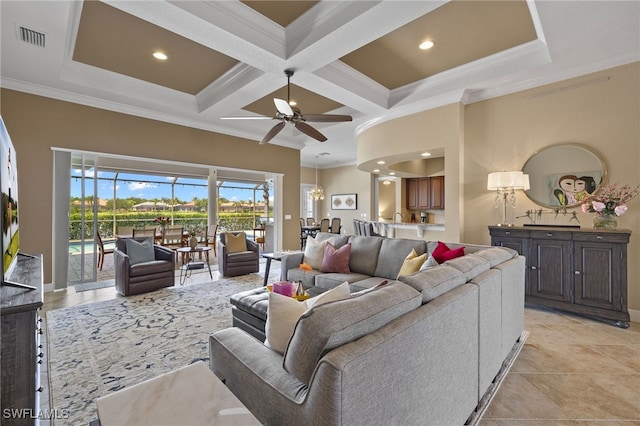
<point x="576" y="270"/>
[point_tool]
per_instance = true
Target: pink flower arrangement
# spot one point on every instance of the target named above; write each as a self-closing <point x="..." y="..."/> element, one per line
<point x="610" y="200"/>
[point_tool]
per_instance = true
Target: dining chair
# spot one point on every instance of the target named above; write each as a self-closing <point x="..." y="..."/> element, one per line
<point x="212" y="235"/>
<point x="324" y="225"/>
<point x="310" y="221"/>
<point x="102" y="251"/>
<point x="335" y="225"/>
<point x="303" y="234"/>
<point x="173" y="236"/>
<point x="145" y="232"/>
<point x="124" y="231"/>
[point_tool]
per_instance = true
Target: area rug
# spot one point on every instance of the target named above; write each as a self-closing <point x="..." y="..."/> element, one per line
<point x="99" y="348"/>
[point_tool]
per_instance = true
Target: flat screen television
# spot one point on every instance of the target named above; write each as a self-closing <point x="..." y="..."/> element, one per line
<point x="10" y="242"/>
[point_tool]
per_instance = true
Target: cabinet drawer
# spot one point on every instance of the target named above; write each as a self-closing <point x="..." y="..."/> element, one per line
<point x="562" y="236"/>
<point x="511" y="233"/>
<point x="601" y="237"/>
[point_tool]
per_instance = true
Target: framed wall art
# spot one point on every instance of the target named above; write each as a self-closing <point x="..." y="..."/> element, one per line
<point x="344" y="201"/>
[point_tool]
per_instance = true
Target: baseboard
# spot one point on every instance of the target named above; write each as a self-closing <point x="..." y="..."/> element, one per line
<point x="48" y="288"/>
<point x="635" y="315"/>
<point x="476" y="416"/>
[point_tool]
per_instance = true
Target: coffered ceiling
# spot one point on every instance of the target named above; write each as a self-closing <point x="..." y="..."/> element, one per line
<point x="227" y="58"/>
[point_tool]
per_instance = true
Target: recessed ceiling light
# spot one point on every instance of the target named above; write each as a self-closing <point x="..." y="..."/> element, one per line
<point x="381" y="162"/>
<point x="426" y="154"/>
<point x="160" y="56"/>
<point x="376" y="170"/>
<point x="392" y="173"/>
<point x="426" y="45"/>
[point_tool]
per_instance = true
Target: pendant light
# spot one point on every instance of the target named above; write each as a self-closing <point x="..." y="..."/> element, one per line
<point x="317" y="193"/>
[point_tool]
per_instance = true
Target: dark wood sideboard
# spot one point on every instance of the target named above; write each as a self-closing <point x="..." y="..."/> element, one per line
<point x="21" y="352"/>
<point x="573" y="269"/>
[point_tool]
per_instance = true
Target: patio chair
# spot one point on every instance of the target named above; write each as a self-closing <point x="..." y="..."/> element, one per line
<point x="212" y="236"/>
<point x="145" y="232"/>
<point x="101" y="251"/>
<point x="173" y="236"/>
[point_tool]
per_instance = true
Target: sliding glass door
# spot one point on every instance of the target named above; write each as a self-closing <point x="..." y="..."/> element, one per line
<point x="83" y="208"/>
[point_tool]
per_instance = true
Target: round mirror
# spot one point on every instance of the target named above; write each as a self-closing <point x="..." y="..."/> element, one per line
<point x="562" y="175"/>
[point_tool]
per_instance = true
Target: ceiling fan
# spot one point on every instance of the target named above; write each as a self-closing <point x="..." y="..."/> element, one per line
<point x="288" y="114"/>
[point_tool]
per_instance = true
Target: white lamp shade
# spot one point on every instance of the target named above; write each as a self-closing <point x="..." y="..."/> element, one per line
<point x="503" y="180"/>
<point x="526" y="184"/>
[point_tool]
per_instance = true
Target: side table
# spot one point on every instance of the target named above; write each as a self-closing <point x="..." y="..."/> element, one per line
<point x="191" y="264"/>
<point x="277" y="256"/>
<point x="191" y="395"/>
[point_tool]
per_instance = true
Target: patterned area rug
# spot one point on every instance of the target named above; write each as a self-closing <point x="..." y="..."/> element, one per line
<point x="99" y="348"/>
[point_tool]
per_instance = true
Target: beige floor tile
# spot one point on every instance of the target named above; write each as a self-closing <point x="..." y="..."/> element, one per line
<point x="569" y="359"/>
<point x="590" y="396"/>
<point x="517" y="399"/>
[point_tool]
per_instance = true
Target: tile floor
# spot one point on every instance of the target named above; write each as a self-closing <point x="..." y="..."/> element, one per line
<point x="571" y="371"/>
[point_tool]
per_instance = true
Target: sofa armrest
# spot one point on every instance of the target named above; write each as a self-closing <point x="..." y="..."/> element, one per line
<point x="163" y="253"/>
<point x="253" y="246"/>
<point x="121" y="265"/>
<point x="290" y="261"/>
<point x="254" y="373"/>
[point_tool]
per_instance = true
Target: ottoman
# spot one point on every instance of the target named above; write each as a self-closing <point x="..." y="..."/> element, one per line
<point x="249" y="310"/>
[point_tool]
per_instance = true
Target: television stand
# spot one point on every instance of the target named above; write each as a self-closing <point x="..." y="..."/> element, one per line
<point x="22" y="272"/>
<point x="21" y="352"/>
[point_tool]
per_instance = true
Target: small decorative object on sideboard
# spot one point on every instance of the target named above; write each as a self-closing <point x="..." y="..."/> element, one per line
<point x="608" y="204"/>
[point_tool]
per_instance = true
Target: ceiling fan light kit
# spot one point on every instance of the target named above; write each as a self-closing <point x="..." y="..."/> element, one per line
<point x="288" y="114"/>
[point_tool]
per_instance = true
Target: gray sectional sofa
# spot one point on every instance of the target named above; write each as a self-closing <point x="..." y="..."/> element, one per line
<point x="423" y="349"/>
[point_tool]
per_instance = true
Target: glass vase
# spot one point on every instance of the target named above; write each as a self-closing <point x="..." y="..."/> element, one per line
<point x="605" y="221"/>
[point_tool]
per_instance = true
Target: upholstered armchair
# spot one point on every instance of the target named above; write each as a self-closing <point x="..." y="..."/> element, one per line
<point x="237" y="255"/>
<point x="142" y="266"/>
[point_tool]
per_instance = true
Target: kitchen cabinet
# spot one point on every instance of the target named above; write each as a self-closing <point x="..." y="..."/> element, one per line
<point x="577" y="270"/>
<point x="425" y="193"/>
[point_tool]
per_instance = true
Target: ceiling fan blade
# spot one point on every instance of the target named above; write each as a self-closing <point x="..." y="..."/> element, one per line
<point x="325" y="118"/>
<point x="310" y="131"/>
<point x="283" y="107"/>
<point x="273" y="132"/>
<point x="247" y="117"/>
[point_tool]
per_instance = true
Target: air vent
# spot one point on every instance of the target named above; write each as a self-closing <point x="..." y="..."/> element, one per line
<point x="31" y="36"/>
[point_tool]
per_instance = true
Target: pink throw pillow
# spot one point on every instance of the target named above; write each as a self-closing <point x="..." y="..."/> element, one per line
<point x="442" y="252"/>
<point x="336" y="260"/>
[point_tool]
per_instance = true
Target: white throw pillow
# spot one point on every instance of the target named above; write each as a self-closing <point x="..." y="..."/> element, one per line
<point x="283" y="314"/>
<point x="429" y="263"/>
<point x="314" y="252"/>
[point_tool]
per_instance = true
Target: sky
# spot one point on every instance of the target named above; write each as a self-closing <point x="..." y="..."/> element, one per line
<point x="151" y="187"/>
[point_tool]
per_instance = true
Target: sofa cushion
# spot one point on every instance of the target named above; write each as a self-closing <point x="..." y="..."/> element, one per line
<point x="336" y="260"/>
<point x="140" y="251"/>
<point x="442" y="252"/>
<point x="470" y="265"/>
<point x="283" y="313"/>
<point x="330" y="280"/>
<point x="392" y="253"/>
<point x="497" y="255"/>
<point x="435" y="281"/>
<point x="314" y="252"/>
<point x="364" y="254"/>
<point x="235" y="243"/>
<point x="334" y="324"/>
<point x="412" y="263"/>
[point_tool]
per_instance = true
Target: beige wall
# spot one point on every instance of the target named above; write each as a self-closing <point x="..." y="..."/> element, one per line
<point x="342" y="180"/>
<point x="599" y="110"/>
<point x="36" y="124"/>
<point x="502" y="133"/>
